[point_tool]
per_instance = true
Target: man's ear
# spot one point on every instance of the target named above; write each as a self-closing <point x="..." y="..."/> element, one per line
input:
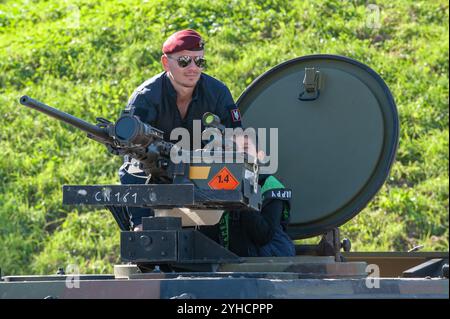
<point x="165" y="62"/>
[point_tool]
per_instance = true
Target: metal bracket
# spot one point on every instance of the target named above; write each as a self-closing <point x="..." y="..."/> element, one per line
<point x="311" y="84"/>
<point x="164" y="242"/>
<point x="432" y="268"/>
<point x="329" y="245"/>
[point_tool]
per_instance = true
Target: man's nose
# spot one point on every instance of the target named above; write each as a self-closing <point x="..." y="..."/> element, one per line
<point x="192" y="65"/>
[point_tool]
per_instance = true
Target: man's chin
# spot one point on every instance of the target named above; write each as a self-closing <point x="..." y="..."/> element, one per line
<point x="190" y="83"/>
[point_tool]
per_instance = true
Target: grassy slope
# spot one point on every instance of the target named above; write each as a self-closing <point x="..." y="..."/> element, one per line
<point x="89" y="69"/>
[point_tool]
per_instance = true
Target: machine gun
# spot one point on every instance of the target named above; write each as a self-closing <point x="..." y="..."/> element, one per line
<point x="128" y="136"/>
<point x="194" y="185"/>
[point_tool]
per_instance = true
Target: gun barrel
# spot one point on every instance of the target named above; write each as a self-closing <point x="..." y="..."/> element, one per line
<point x="89" y="128"/>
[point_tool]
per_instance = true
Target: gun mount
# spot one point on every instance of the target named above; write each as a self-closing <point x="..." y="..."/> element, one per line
<point x="194" y="185"/>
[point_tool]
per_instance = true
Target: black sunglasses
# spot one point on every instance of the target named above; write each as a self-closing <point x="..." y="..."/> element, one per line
<point x="184" y="60"/>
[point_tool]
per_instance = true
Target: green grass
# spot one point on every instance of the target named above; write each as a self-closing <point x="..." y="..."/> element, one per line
<point x="90" y="68"/>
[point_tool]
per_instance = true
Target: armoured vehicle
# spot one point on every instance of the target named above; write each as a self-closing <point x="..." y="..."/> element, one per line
<point x="337" y="131"/>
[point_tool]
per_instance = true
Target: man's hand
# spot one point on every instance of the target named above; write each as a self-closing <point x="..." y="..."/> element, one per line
<point x="138" y="228"/>
<point x="247" y="145"/>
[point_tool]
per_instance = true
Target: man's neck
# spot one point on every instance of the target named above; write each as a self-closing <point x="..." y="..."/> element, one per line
<point x="183" y="93"/>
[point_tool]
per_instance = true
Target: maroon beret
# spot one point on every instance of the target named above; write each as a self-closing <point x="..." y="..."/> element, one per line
<point x="183" y="40"/>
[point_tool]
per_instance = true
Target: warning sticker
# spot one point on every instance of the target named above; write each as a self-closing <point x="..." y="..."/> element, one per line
<point x="223" y="180"/>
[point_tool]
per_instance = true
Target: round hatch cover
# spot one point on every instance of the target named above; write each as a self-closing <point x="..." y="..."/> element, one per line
<point x="337" y="135"/>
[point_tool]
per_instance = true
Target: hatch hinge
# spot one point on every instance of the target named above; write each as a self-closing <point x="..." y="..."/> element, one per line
<point x="329" y="245"/>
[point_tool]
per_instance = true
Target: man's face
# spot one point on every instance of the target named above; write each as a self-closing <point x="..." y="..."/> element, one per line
<point x="187" y="76"/>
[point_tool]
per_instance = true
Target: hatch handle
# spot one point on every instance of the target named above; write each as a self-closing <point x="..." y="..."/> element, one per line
<point x="311" y="84"/>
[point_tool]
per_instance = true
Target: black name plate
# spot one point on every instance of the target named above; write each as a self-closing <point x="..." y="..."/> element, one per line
<point x="160" y="195"/>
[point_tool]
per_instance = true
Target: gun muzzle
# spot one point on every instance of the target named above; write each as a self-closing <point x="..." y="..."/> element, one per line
<point x="95" y="131"/>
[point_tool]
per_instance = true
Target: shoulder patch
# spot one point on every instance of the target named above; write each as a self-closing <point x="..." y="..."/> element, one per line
<point x="235" y="115"/>
<point x="280" y="193"/>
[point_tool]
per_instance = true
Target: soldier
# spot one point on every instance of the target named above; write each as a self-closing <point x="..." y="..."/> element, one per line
<point x="176" y="97"/>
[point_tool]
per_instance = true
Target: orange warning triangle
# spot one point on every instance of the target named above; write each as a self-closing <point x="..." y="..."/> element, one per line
<point x="223" y="180"/>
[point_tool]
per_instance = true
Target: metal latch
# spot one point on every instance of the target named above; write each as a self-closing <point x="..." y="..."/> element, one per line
<point x="311" y="84"/>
